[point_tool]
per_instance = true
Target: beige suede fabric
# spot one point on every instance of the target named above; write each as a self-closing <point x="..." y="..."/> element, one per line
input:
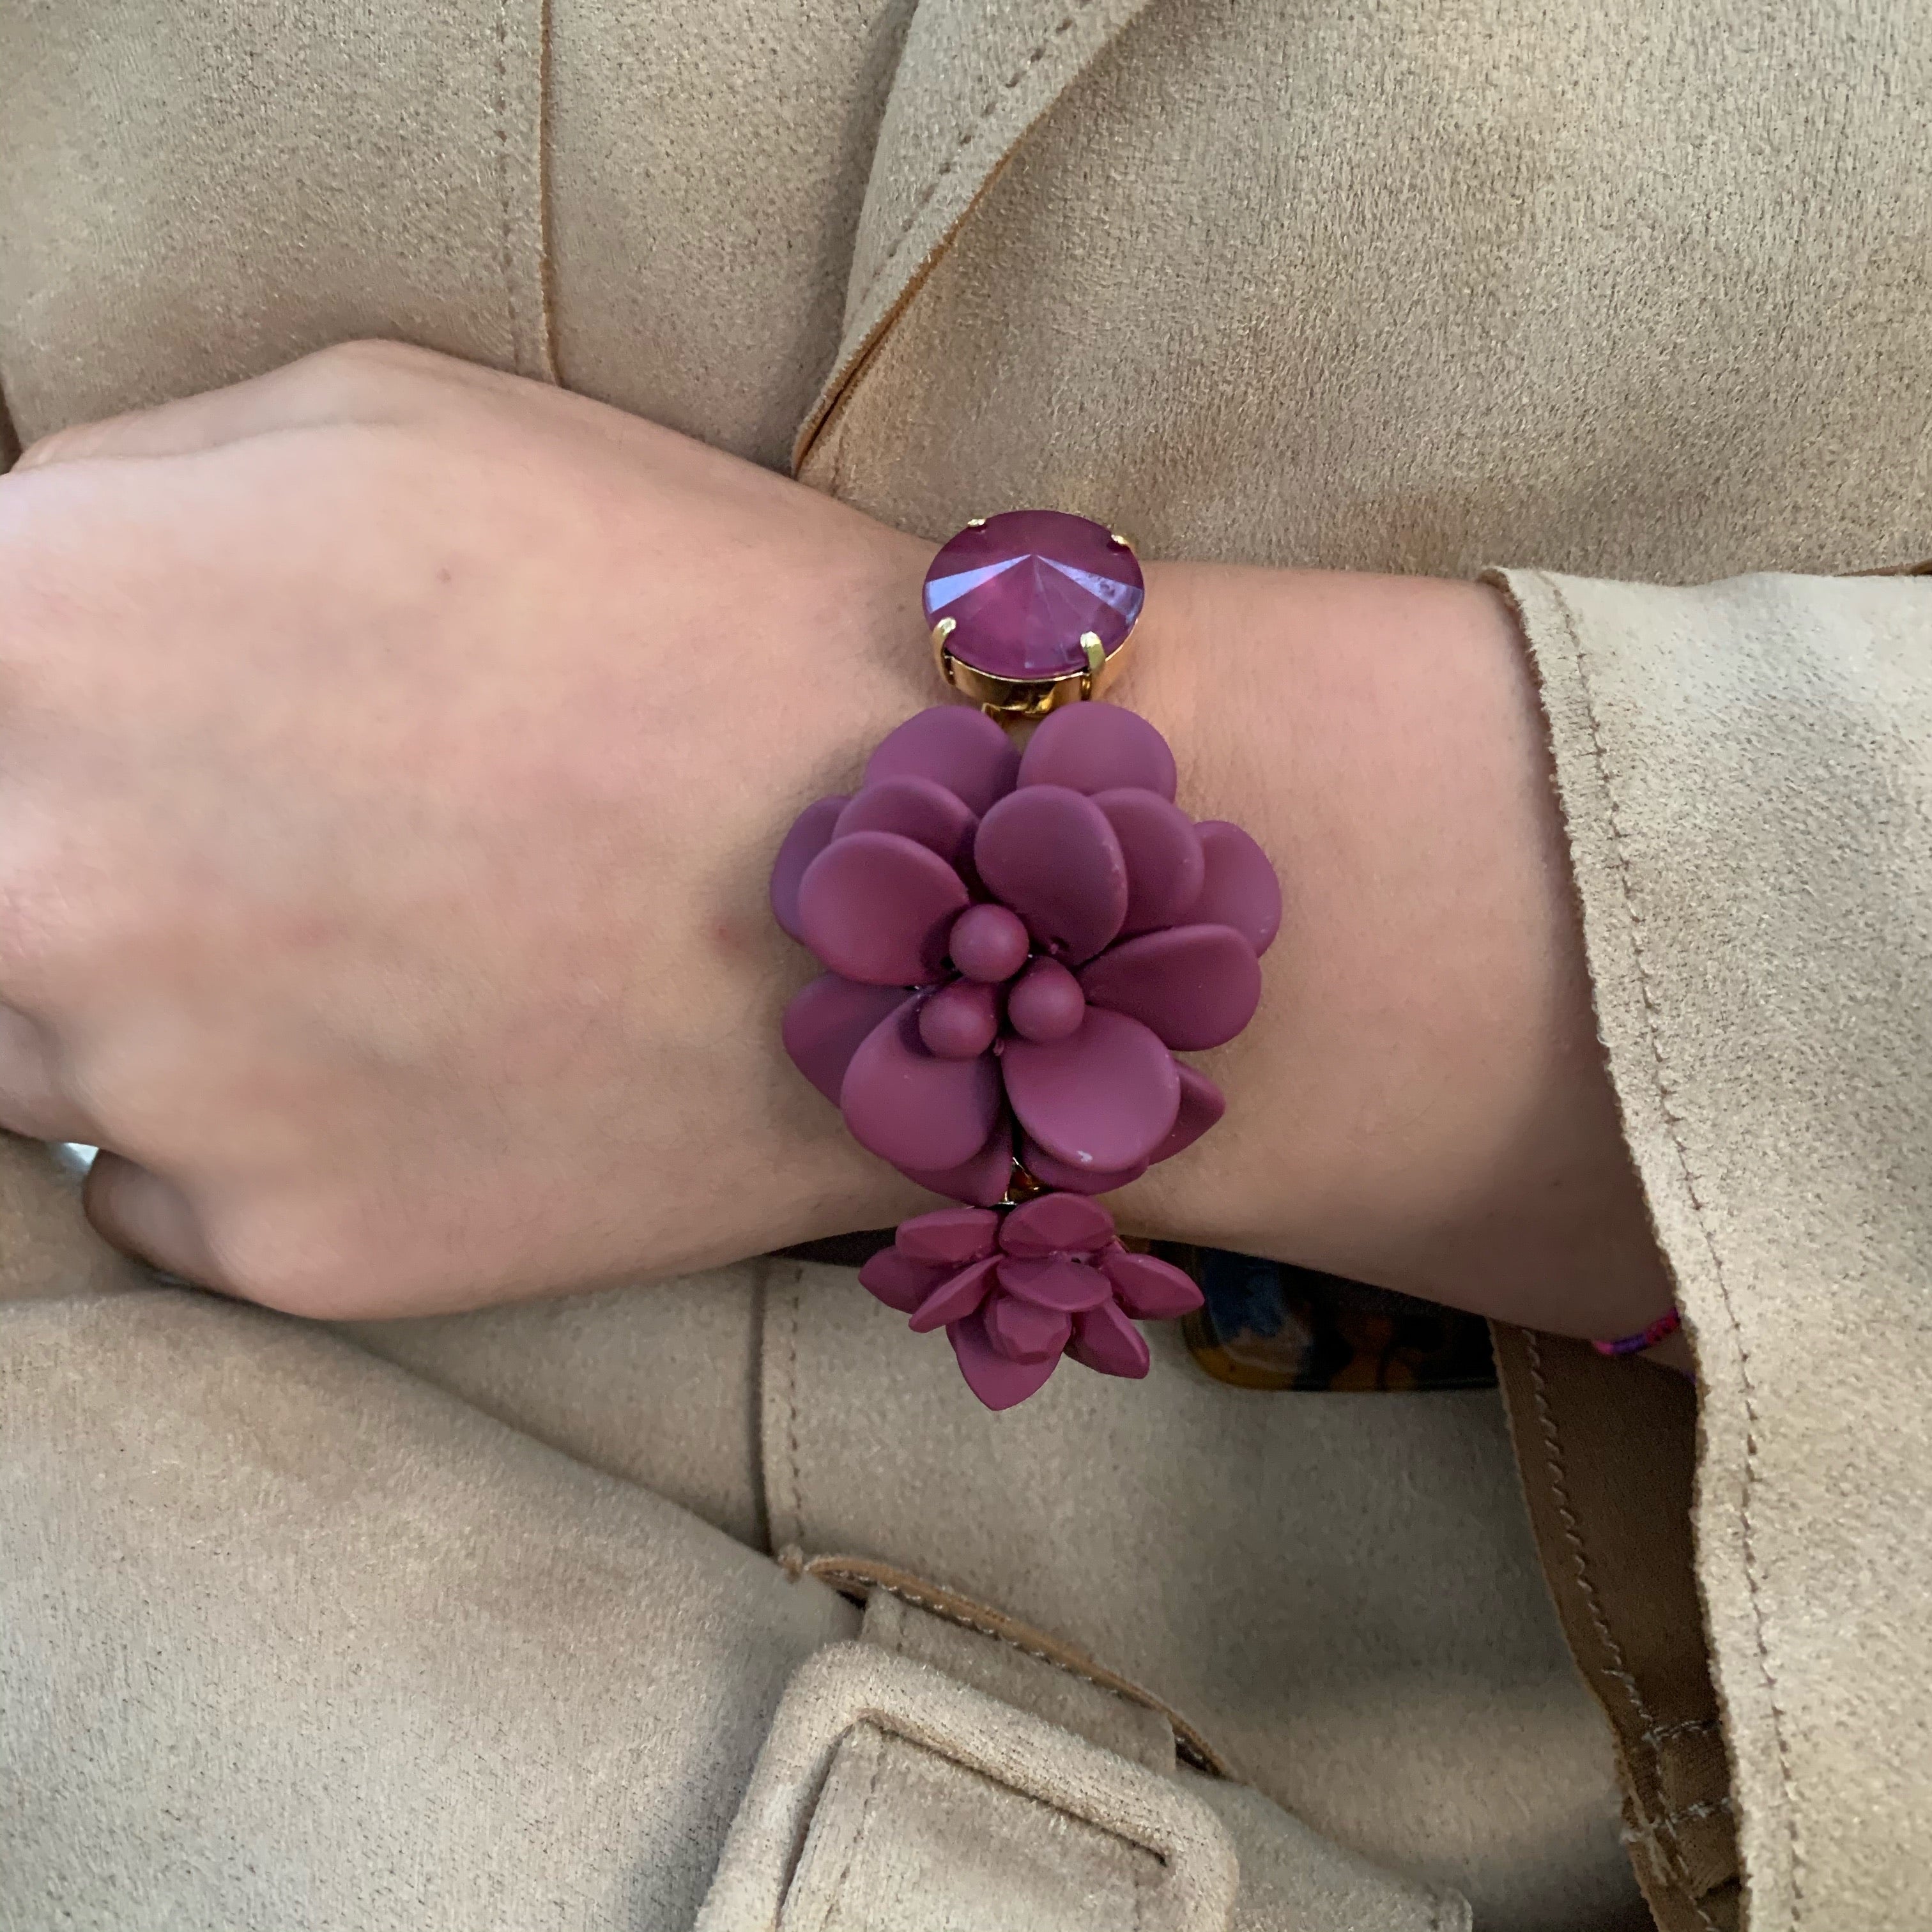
<point x="890" y="1797"/>
<point x="1331" y="1594"/>
<point x="894" y="1795"/>
<point x="1638" y="292"/>
<point x="1635" y="291"/>
<point x="1607" y="1461"/>
<point x="1747" y="772"/>
<point x="660" y="1387"/>
<point x="707" y="174"/>
<point x="207" y="188"/>
<point x="1014" y="1672"/>
<point x="288" y="1639"/>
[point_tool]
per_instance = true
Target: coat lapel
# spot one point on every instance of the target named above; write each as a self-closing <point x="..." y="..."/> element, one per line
<point x="974" y="76"/>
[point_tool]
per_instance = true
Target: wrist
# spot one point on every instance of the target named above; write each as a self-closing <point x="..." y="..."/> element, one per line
<point x="809" y="727"/>
<point x="1420" y="1101"/>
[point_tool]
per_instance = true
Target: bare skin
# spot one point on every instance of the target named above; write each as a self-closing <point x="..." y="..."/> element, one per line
<point x="391" y="757"/>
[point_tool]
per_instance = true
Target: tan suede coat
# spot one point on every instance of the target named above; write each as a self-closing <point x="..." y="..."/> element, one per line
<point x="551" y="1618"/>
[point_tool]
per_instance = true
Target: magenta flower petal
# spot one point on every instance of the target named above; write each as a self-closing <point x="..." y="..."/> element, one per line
<point x="1095" y="747"/>
<point x="916" y="809"/>
<point x="877" y="907"/>
<point x="997" y="1382"/>
<point x="1104" y="1339"/>
<point x="900" y="1283"/>
<point x="1058" y="1281"/>
<point x="1023" y="1331"/>
<point x="827" y="1021"/>
<point x="1103" y="1100"/>
<point x="1166" y="868"/>
<point x="1201" y="1104"/>
<point x="1052" y="1173"/>
<point x="952" y="745"/>
<point x="983" y="1180"/>
<point x="916" y="1110"/>
<point x="1055" y="1223"/>
<point x="811" y="833"/>
<point x="1151" y="1289"/>
<point x="1051" y="855"/>
<point x="1195" y="985"/>
<point x="949" y="1237"/>
<point x="956" y="1296"/>
<point x="1241" y="889"/>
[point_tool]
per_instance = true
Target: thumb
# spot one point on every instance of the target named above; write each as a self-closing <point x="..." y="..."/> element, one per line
<point x="149" y="1218"/>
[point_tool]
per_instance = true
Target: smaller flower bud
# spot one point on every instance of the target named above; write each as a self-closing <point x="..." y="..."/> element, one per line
<point x="1046" y="1002"/>
<point x="989" y="943"/>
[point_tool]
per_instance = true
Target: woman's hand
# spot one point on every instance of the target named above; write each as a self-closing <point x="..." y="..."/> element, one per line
<point x="391" y="757"/>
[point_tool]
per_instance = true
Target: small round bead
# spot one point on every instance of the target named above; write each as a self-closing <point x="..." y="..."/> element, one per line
<point x="989" y="943"/>
<point x="959" y="1021"/>
<point x="1046" y="1002"/>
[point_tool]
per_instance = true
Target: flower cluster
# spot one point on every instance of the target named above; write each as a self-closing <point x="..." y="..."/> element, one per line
<point x="1015" y="1292"/>
<point x="1015" y="948"/>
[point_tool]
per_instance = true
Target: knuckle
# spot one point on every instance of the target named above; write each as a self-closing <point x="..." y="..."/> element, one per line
<point x="54" y="447"/>
<point x="368" y="377"/>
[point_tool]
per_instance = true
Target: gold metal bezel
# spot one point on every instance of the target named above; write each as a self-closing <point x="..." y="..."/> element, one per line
<point x="1012" y="699"/>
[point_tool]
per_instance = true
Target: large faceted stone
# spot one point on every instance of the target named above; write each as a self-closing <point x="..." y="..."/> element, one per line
<point x="1025" y="587"/>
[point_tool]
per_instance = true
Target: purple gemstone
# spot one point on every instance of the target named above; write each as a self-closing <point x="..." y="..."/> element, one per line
<point x="1024" y="588"/>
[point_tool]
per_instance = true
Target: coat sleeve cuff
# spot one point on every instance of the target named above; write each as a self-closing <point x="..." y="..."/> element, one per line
<point x="1745" y="769"/>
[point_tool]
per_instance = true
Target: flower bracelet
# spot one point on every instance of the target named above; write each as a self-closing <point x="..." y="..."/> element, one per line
<point x="1016" y="945"/>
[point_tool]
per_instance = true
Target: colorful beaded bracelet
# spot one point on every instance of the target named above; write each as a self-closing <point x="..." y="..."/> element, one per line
<point x="1668" y="1323"/>
<point x="1016" y="944"/>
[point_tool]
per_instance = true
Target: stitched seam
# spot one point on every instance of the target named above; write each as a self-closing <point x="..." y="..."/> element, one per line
<point x="1684" y="1727"/>
<point x="1665" y="1085"/>
<point x="504" y="255"/>
<point x="1188" y="1750"/>
<point x="794" y="1499"/>
<point x="968" y="135"/>
<point x="1703" y="1808"/>
<point x="953" y="1616"/>
<point x="546" y="267"/>
<point x="858" y="1833"/>
<point x="1618" y="1670"/>
<point x="1646" y="1834"/>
